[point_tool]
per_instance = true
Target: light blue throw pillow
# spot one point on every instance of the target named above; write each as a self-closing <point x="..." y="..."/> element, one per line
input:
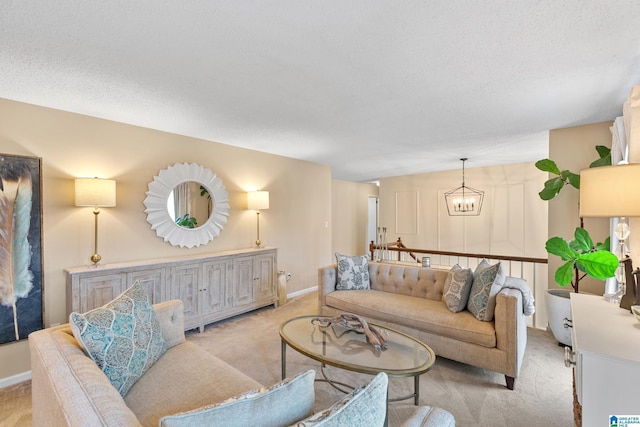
<point x="279" y="405"/>
<point x="123" y="337"/>
<point x="365" y="406"/>
<point x="488" y="280"/>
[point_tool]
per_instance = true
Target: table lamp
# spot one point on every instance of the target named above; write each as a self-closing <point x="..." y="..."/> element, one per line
<point x="98" y="193"/>
<point x="257" y="200"/>
<point x="612" y="191"/>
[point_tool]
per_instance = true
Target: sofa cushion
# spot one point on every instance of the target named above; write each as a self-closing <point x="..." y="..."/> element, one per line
<point x="196" y="377"/>
<point x="279" y="405"/>
<point x="457" y="288"/>
<point x="353" y="272"/>
<point x="418" y="313"/>
<point x="365" y="406"/>
<point x="488" y="280"/>
<point x="416" y="281"/>
<point x="123" y="337"/>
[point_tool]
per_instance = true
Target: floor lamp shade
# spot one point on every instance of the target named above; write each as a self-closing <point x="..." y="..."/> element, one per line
<point x="95" y="192"/>
<point x="257" y="200"/>
<point x="610" y="191"/>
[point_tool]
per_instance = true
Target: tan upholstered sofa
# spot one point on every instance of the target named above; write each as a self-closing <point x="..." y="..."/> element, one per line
<point x="185" y="387"/>
<point x="410" y="299"/>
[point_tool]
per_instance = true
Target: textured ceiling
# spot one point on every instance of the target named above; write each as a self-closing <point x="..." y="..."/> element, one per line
<point x="373" y="88"/>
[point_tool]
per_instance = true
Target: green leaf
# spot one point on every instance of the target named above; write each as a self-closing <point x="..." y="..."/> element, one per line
<point x="583" y="239"/>
<point x="604" y="246"/>
<point x="547" y="165"/>
<point x="564" y="273"/>
<point x="603" y="151"/>
<point x="576" y="246"/>
<point x="571" y="178"/>
<point x="605" y="157"/>
<point x="605" y="161"/>
<point x="551" y="188"/>
<point x="601" y="264"/>
<point x="574" y="179"/>
<point x="559" y="247"/>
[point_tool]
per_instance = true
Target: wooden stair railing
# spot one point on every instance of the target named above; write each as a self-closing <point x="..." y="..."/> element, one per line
<point x="400" y="248"/>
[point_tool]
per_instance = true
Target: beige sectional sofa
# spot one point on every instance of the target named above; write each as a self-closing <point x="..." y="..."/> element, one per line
<point x="410" y="299"/>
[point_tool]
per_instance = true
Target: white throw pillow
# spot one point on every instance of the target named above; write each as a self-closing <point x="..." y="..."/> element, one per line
<point x="353" y="272"/>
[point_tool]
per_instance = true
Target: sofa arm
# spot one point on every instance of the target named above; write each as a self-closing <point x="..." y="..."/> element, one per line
<point x="327" y="278"/>
<point x="511" y="329"/>
<point x="68" y="388"/>
<point x="170" y="315"/>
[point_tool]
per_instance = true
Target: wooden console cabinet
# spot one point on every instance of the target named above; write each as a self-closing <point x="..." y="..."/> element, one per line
<point x="606" y="355"/>
<point x="212" y="286"/>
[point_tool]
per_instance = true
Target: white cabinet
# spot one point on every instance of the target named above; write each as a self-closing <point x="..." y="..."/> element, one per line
<point x="606" y="352"/>
<point x="212" y="286"/>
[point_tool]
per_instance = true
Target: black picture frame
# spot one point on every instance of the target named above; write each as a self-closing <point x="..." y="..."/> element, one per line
<point x="21" y="272"/>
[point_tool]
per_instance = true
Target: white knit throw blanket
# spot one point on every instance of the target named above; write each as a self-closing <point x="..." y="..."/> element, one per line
<point x="528" y="302"/>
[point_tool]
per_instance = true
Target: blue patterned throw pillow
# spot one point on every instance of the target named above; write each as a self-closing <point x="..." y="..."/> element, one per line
<point x="488" y="280"/>
<point x="353" y="272"/>
<point x="457" y="287"/>
<point x="123" y="337"/>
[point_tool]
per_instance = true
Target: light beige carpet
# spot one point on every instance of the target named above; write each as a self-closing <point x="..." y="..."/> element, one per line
<point x="542" y="396"/>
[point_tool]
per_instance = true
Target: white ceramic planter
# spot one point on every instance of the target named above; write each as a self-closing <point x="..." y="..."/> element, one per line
<point x="559" y="309"/>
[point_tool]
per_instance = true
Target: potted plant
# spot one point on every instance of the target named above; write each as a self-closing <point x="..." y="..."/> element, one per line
<point x="582" y="257"/>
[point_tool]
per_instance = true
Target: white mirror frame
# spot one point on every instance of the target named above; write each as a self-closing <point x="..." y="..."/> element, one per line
<point x="158" y="215"/>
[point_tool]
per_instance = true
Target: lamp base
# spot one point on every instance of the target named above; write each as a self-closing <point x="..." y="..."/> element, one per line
<point x="95" y="259"/>
<point x="259" y="244"/>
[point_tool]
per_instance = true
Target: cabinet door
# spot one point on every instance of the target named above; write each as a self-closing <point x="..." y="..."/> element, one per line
<point x="243" y="283"/>
<point x="185" y="285"/>
<point x="96" y="291"/>
<point x="214" y="287"/>
<point x="264" y="277"/>
<point x="153" y="282"/>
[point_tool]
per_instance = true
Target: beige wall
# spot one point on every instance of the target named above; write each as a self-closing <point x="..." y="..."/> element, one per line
<point x="510" y="223"/>
<point x="298" y="222"/>
<point x="574" y="149"/>
<point x="511" y="217"/>
<point x="350" y="217"/>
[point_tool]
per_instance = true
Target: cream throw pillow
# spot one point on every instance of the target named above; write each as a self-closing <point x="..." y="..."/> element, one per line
<point x="457" y="287"/>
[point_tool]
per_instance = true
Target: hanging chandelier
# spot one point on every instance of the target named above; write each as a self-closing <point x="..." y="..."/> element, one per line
<point x="464" y="201"/>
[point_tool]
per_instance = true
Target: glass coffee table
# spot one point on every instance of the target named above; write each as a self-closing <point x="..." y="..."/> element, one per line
<point x="346" y="349"/>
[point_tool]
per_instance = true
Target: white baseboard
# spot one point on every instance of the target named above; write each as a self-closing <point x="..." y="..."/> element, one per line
<point x="302" y="292"/>
<point x="15" y="379"/>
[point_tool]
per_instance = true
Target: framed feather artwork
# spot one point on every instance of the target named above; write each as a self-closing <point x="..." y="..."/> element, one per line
<point x="20" y="247"/>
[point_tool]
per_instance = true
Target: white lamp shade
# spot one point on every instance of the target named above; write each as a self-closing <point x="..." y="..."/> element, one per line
<point x="610" y="191"/>
<point x="258" y="200"/>
<point x="95" y="192"/>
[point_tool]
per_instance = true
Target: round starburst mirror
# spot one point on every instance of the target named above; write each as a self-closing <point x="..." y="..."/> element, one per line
<point x="187" y="205"/>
